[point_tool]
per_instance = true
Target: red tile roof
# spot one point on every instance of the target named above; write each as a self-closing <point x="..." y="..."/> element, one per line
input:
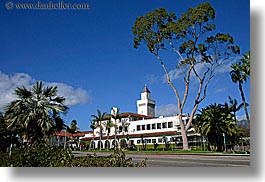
<point x="78" y="134"/>
<point x="129" y="114"/>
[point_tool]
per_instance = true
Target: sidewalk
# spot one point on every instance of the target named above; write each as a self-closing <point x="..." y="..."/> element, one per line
<point x="106" y="153"/>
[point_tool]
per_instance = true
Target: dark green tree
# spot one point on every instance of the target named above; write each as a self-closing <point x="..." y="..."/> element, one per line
<point x="196" y="50"/>
<point x="73" y="127"/>
<point x="234" y="107"/>
<point x="35" y="112"/>
<point x="165" y="141"/>
<point x="143" y="141"/>
<point x="72" y="130"/>
<point x="239" y="75"/>
<point x="4" y="134"/>
<point x="214" y="121"/>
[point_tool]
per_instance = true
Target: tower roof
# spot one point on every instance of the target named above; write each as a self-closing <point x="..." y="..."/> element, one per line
<point x="146" y="89"/>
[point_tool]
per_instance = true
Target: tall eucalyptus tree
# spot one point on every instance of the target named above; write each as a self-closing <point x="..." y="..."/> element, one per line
<point x="192" y="43"/>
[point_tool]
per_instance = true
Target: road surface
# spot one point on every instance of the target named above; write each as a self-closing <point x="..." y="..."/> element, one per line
<point x="185" y="160"/>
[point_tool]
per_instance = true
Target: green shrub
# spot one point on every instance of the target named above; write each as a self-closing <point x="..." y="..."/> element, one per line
<point x="46" y="156"/>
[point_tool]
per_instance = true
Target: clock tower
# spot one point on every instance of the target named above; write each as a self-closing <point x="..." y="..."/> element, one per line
<point x="146" y="106"/>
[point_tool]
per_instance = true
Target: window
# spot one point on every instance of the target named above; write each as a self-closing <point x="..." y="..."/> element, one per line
<point x="153" y="126"/>
<point x="143" y="127"/>
<point x="160" y="140"/>
<point x="148" y="126"/>
<point x="153" y="140"/>
<point x="148" y="140"/>
<point x="158" y="125"/>
<point x="138" y="128"/>
<point x="120" y="128"/>
<point x="138" y="141"/>
<point x="164" y="125"/>
<point x="170" y="124"/>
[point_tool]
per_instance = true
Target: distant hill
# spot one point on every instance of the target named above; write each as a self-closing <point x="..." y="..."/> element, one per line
<point x="243" y="123"/>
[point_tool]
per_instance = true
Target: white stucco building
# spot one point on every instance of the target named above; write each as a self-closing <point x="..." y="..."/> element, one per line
<point x="134" y="129"/>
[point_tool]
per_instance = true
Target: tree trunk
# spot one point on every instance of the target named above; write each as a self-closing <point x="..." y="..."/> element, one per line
<point x="185" y="140"/>
<point x="244" y="102"/>
<point x="100" y="139"/>
<point x="115" y="137"/>
<point x="183" y="133"/>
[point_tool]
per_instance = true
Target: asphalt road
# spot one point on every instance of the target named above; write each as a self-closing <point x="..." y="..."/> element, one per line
<point x="188" y="160"/>
<point x="193" y="160"/>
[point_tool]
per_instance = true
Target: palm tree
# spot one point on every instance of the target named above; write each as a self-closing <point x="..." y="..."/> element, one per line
<point x="116" y="116"/>
<point x="164" y="138"/>
<point x="93" y="126"/>
<point x="239" y="74"/>
<point x="214" y="121"/>
<point x="35" y="111"/>
<point x="108" y="125"/>
<point x="143" y="141"/>
<point x="234" y="107"/>
<point x="98" y="119"/>
<point x="72" y="129"/>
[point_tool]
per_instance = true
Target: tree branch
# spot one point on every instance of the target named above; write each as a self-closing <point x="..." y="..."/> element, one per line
<point x="169" y="80"/>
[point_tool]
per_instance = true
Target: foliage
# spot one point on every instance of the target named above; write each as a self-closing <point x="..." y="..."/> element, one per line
<point x="4" y="134"/>
<point x="190" y="39"/>
<point x="143" y="142"/>
<point x="93" y="125"/>
<point x="98" y="119"/>
<point x="73" y="127"/>
<point x="35" y="115"/>
<point x="234" y="107"/>
<point x="239" y="74"/>
<point x="214" y="121"/>
<point x="108" y="125"/>
<point x="46" y="156"/>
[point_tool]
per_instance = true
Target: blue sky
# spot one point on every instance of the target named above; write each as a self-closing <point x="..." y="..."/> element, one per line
<point x="89" y="54"/>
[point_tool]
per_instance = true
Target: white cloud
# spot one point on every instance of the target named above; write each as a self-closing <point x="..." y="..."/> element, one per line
<point x="166" y="110"/>
<point x="200" y="69"/>
<point x="152" y="79"/>
<point x="173" y="75"/>
<point x="241" y="117"/>
<point x="221" y="90"/>
<point x="8" y="83"/>
<point x="73" y="96"/>
<point x="226" y="66"/>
